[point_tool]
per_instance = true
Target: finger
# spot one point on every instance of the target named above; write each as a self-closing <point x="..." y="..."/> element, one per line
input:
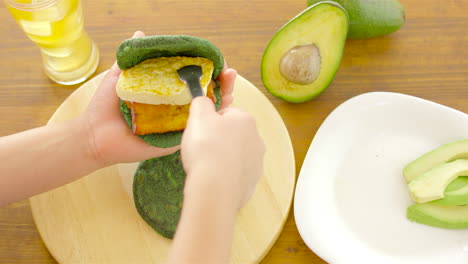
<point x="201" y="106"/>
<point x="235" y="113"/>
<point x="111" y="77"/>
<point x="138" y="150"/>
<point x="226" y="101"/>
<point x="106" y="89"/>
<point x="231" y="111"/>
<point x="224" y="79"/>
<point x="155" y="152"/>
<point x="227" y="79"/>
<point x="225" y="66"/>
<point x="114" y="70"/>
<point x="138" y="34"/>
<point x="107" y="86"/>
<point x="223" y="111"/>
<point x="221" y="90"/>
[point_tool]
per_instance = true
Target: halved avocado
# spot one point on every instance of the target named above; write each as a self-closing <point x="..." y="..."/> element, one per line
<point x="303" y="56"/>
<point x="444" y="216"/>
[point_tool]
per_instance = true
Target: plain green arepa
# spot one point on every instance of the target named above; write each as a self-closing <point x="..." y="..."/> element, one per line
<point x="158" y="187"/>
<point x="133" y="51"/>
<point x="158" y="183"/>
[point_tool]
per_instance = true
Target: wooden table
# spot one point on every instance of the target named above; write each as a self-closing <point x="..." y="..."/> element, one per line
<point x="428" y="58"/>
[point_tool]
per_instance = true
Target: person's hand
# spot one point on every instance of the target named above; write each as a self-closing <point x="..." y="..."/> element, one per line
<point x="110" y="139"/>
<point x="222" y="153"/>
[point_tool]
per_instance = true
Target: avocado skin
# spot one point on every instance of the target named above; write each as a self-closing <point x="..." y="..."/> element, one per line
<point x="133" y="51"/>
<point x="168" y="139"/>
<point x="371" y="18"/>
<point x="158" y="187"/>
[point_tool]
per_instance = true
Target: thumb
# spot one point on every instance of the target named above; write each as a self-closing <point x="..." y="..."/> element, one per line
<point x="155" y="152"/>
<point x="140" y="150"/>
<point x="201" y="106"/>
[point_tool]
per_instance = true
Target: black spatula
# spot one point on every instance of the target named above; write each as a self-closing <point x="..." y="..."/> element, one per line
<point x="191" y="75"/>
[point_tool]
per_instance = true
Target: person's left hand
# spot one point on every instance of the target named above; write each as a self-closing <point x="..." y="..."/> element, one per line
<point x="110" y="139"/>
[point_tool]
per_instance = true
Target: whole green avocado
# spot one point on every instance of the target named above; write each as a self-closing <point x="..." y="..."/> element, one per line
<point x="371" y="18"/>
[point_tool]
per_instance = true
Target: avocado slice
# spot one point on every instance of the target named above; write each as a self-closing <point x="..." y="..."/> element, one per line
<point x="302" y="58"/>
<point x="158" y="187"/>
<point x="432" y="184"/>
<point x="444" y="216"/>
<point x="457" y="184"/>
<point x="445" y="153"/>
<point x="371" y="18"/>
<point x="456" y="192"/>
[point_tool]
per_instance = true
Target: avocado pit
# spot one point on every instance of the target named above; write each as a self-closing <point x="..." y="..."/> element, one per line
<point x="301" y="64"/>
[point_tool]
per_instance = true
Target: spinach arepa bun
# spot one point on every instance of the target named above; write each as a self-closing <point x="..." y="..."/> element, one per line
<point x="158" y="187"/>
<point x="155" y="104"/>
<point x="154" y="101"/>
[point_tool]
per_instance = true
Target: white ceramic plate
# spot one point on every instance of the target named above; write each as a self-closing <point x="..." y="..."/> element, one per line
<point x="351" y="197"/>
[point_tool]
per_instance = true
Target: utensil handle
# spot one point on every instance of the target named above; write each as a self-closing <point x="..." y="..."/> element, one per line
<point x="195" y="87"/>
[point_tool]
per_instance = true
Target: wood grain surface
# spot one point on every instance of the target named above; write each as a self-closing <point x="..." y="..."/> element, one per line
<point x="75" y="220"/>
<point x="426" y="58"/>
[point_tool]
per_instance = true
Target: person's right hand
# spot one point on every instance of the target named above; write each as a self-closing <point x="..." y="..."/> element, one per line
<point x="222" y="153"/>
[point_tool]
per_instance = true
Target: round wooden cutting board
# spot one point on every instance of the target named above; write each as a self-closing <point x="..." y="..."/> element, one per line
<point x="94" y="220"/>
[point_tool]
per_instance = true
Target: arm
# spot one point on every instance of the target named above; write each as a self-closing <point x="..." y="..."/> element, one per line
<point x="205" y="230"/>
<point x="222" y="154"/>
<point x="43" y="158"/>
